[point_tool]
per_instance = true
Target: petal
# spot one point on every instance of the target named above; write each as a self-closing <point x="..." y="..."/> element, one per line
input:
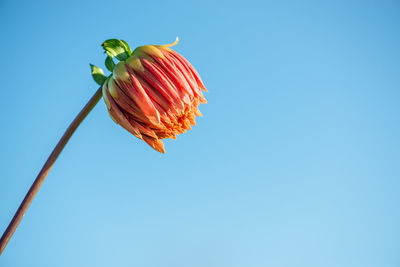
<point x="136" y="93"/>
<point x="129" y="106"/>
<point x="135" y="63"/>
<point x="171" y="44"/>
<point x="157" y="144"/>
<point x="191" y="68"/>
<point x="191" y="80"/>
<point x="155" y="76"/>
<point x="176" y="77"/>
<point x="142" y="128"/>
<point x="120" y="73"/>
<point x="105" y="98"/>
<point x="120" y="117"/>
<point x="150" y="50"/>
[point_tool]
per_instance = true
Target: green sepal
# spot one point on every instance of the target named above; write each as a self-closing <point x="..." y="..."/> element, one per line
<point x="117" y="48"/>
<point x="98" y="74"/>
<point x="127" y="47"/>
<point x="110" y="63"/>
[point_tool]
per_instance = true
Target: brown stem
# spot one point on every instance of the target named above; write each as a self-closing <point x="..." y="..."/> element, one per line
<point x="46" y="168"/>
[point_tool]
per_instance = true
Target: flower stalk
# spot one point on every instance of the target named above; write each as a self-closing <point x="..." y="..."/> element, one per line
<point x="46" y="168"/>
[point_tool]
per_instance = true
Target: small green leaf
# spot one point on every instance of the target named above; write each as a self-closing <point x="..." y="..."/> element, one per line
<point x="98" y="74"/>
<point x="127" y="47"/>
<point x="117" y="48"/>
<point x="110" y="63"/>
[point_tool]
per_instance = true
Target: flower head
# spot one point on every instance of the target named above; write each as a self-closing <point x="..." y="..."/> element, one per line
<point x="153" y="92"/>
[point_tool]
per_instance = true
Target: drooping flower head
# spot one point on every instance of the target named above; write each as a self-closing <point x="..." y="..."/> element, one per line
<point x="153" y="92"/>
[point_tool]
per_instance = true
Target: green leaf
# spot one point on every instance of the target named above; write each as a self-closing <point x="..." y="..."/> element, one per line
<point x="127" y="47"/>
<point x="110" y="63"/>
<point x="117" y="48"/>
<point x="98" y="74"/>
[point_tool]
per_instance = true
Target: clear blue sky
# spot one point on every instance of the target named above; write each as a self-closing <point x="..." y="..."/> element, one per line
<point x="295" y="162"/>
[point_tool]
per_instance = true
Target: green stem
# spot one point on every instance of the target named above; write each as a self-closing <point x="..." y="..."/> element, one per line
<point x="46" y="168"/>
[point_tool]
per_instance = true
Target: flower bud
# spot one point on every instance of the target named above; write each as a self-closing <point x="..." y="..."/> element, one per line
<point x="153" y="92"/>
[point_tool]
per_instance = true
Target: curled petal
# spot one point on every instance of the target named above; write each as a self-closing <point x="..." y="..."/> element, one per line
<point x="171" y="44"/>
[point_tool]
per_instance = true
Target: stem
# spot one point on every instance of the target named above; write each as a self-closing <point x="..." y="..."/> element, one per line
<point x="46" y="168"/>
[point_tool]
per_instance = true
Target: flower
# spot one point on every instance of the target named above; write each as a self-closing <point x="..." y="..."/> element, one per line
<point x="153" y="93"/>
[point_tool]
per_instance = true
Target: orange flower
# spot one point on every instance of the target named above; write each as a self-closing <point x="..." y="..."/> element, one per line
<point x="154" y="93"/>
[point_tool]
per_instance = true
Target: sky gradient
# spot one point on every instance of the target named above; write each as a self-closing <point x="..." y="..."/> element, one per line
<point x="295" y="162"/>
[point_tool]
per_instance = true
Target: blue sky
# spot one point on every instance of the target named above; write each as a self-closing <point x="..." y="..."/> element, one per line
<point x="295" y="162"/>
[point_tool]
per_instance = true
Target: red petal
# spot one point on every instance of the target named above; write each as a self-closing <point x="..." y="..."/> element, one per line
<point x="136" y="92"/>
<point x="120" y="117"/>
<point x="159" y="80"/>
<point x="191" y="68"/>
<point x="191" y="80"/>
<point x="129" y="106"/>
<point x="177" y="78"/>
